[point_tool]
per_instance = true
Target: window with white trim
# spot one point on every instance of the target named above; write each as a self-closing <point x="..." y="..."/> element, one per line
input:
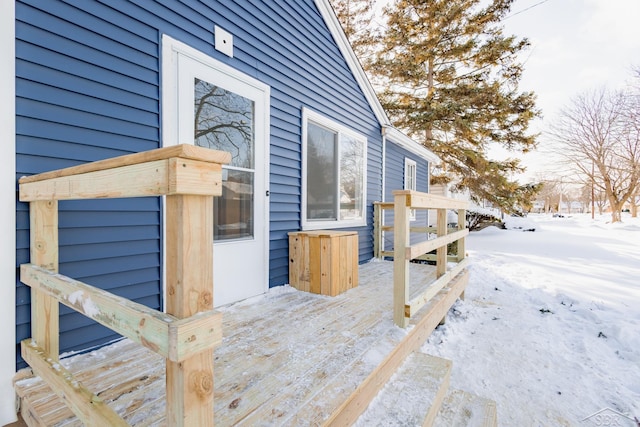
<point x="410" y="180"/>
<point x="333" y="174"/>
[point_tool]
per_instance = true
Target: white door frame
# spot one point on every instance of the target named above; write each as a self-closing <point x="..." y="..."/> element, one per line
<point x="8" y="210"/>
<point x="170" y="119"/>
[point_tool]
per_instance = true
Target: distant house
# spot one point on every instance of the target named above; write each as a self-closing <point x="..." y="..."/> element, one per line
<point x="274" y="83"/>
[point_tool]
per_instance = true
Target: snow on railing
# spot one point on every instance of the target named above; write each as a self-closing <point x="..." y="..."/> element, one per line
<point x="186" y="334"/>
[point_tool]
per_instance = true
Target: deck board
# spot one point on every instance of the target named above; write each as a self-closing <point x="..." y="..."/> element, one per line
<point x="287" y="358"/>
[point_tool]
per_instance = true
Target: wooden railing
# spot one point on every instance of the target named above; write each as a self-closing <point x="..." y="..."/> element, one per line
<point x="186" y="334"/>
<point x="403" y="252"/>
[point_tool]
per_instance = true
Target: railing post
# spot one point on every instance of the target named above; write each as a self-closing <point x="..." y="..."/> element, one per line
<point x="441" y="252"/>
<point x="461" y="244"/>
<point x="43" y="217"/>
<point x="378" y="243"/>
<point x="462" y="224"/>
<point x="189" y="291"/>
<point x="401" y="239"/>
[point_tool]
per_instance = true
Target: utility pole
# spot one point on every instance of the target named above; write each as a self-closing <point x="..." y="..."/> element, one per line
<point x="593" y="191"/>
<point x="560" y="200"/>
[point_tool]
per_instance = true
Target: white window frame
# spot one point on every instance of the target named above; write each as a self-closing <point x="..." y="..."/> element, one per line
<point x="318" y="119"/>
<point x="411" y="180"/>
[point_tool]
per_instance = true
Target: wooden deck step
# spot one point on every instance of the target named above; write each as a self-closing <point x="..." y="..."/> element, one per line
<point x="413" y="395"/>
<point x="462" y="409"/>
<point x="142" y="372"/>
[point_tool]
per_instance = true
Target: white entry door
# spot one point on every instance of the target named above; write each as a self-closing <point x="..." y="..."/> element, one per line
<point x="220" y="108"/>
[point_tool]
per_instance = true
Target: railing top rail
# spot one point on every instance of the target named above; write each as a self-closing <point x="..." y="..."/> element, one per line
<point x="418" y="200"/>
<point x="184" y="151"/>
<point x="181" y="169"/>
<point x="384" y="205"/>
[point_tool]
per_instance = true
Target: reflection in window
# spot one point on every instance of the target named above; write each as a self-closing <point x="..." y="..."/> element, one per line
<point x="351" y="173"/>
<point x="335" y="174"/>
<point x="322" y="173"/>
<point x="224" y="120"/>
<point x="233" y="212"/>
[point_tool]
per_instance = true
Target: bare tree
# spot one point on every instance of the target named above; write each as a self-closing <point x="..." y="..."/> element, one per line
<point x="549" y="194"/>
<point x="596" y="138"/>
<point x="592" y="199"/>
<point x="633" y="116"/>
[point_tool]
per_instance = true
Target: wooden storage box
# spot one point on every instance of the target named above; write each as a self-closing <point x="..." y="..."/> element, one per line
<point x="323" y="261"/>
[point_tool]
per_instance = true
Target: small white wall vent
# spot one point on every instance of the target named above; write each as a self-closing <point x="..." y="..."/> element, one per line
<point x="223" y="41"/>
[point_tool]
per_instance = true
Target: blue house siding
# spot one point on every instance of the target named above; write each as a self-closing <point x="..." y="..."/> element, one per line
<point x="88" y="88"/>
<point x="394" y="180"/>
<point x="76" y="103"/>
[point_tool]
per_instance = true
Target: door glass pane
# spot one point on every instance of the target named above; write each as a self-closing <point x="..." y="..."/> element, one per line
<point x="224" y="120"/>
<point x="234" y="210"/>
<point x="351" y="173"/>
<point x="322" y="173"/>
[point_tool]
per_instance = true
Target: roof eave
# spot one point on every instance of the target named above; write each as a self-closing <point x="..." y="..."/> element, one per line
<point x="398" y="137"/>
<point x="330" y="18"/>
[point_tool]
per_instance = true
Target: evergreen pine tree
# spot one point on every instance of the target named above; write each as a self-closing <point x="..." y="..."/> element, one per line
<point x="448" y="76"/>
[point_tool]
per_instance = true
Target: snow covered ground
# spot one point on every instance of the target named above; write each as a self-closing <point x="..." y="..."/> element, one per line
<point x="550" y="328"/>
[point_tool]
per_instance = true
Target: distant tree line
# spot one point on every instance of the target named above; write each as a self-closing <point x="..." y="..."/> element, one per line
<point x="597" y="136"/>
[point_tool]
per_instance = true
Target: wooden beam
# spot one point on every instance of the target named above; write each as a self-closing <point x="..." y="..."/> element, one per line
<point x="418" y="200"/>
<point x="384" y="205"/>
<point x="418" y="229"/>
<point x="192" y="335"/>
<point x="424" y="257"/>
<point x="194" y="177"/>
<point x="441" y="251"/>
<point x="432" y="257"/>
<point x="418" y="302"/>
<point x="43" y="217"/>
<point x="299" y="262"/>
<point x="91" y="410"/>
<point x="157" y="178"/>
<point x="421" y="248"/>
<point x="164" y="334"/>
<point x="189" y="291"/>
<point x="316" y="267"/>
<point x="184" y="151"/>
<point x="401" y="240"/>
<point x="462" y="224"/>
<point x="378" y="227"/>
<point x="430" y="229"/>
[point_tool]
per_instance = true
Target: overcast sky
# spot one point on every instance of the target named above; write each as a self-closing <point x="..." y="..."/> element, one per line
<point x="576" y="45"/>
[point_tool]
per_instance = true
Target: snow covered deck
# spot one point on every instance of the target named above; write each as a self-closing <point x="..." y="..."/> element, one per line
<point x="287" y="358"/>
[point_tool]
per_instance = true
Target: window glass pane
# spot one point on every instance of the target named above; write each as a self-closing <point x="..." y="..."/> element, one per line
<point x="351" y="177"/>
<point x="321" y="173"/>
<point x="233" y="212"/>
<point x="410" y="181"/>
<point x="224" y="121"/>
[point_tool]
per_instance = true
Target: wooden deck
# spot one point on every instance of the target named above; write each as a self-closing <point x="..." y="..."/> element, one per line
<point x="287" y="358"/>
